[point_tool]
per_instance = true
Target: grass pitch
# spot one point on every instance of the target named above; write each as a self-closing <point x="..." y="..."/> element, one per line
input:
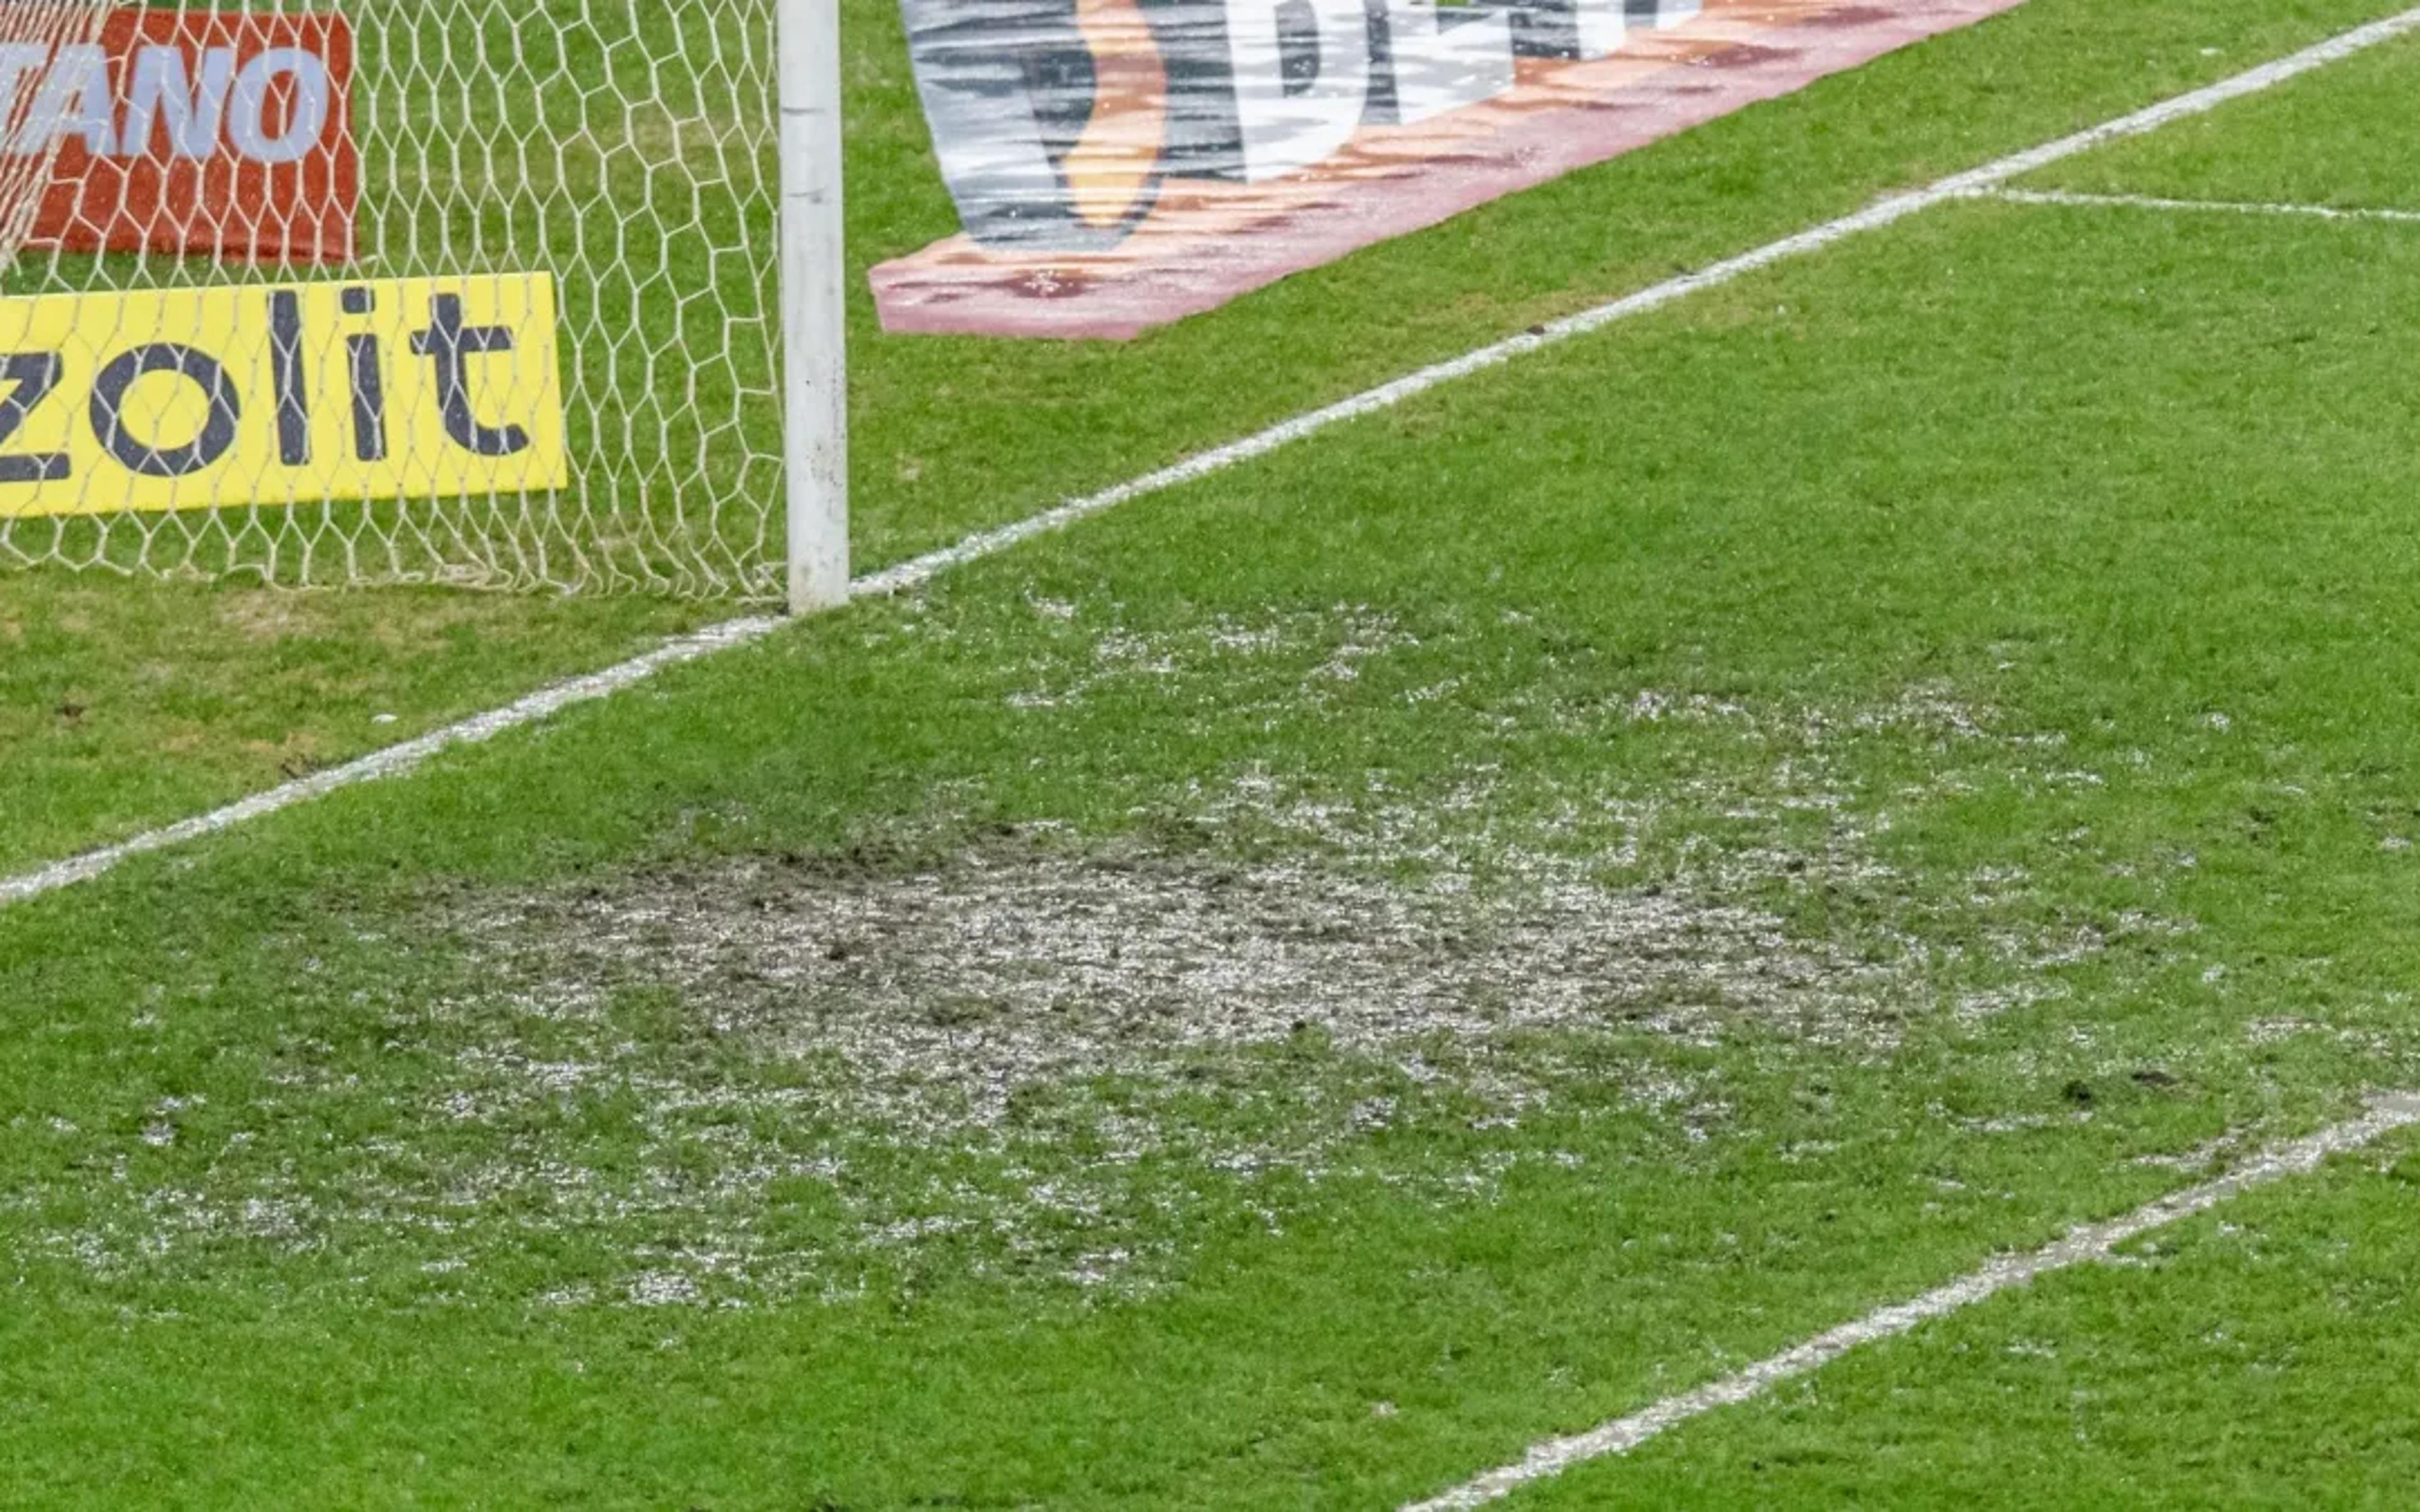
<point x="953" y="434"/>
<point x="1295" y="989"/>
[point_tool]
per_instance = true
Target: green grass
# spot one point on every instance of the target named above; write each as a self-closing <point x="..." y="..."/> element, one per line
<point x="1961" y="685"/>
<point x="952" y="434"/>
<point x="2253" y="1358"/>
<point x="2334" y="139"/>
<point x="121" y="708"/>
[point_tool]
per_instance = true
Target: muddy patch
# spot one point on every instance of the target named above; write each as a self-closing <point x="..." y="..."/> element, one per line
<point x="1048" y="1055"/>
<point x="1027" y="1056"/>
<point x="946" y="991"/>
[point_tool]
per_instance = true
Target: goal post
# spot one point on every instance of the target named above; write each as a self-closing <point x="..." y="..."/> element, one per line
<point x="814" y="305"/>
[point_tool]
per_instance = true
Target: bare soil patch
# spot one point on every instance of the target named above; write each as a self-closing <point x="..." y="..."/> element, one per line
<point x="962" y="984"/>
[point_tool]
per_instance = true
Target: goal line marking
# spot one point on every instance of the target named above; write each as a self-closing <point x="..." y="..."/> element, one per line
<point x="2197" y="207"/>
<point x="393" y="761"/>
<point x="2090" y="1244"/>
<point x="396" y="761"/>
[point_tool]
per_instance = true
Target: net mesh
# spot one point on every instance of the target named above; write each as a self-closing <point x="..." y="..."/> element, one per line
<point x="604" y="166"/>
<point x="31" y="28"/>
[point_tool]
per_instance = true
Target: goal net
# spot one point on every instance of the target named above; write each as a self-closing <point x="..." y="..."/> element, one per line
<point x="345" y="292"/>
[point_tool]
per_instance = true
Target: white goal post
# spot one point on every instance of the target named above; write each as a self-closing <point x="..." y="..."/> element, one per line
<point x="814" y="305"/>
<point x="539" y="295"/>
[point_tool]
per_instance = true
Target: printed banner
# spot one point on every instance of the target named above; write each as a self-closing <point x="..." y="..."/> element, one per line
<point x="1118" y="165"/>
<point x="193" y="398"/>
<point x="222" y="134"/>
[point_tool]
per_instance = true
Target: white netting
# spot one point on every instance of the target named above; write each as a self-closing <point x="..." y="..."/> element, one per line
<point x="611" y="159"/>
<point x="34" y="27"/>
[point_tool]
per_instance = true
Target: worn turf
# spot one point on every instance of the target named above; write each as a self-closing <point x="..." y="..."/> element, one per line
<point x="1291" y="992"/>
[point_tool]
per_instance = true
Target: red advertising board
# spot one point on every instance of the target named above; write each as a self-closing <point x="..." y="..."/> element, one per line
<point x="224" y="134"/>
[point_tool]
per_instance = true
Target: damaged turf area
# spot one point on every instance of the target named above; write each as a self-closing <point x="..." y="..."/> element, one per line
<point x="1289" y="992"/>
<point x="1025" y="1055"/>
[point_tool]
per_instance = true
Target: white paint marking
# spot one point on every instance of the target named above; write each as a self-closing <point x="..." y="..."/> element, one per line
<point x="2211" y="207"/>
<point x="397" y="760"/>
<point x="394" y="760"/>
<point x="2094" y="1242"/>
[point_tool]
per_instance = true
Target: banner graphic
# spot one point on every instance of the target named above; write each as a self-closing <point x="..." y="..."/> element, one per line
<point x="1118" y="165"/>
<point x="204" y="398"/>
<point x="226" y="134"/>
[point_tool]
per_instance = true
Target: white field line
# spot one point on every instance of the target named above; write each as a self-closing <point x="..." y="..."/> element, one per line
<point x="394" y="760"/>
<point x="2198" y="206"/>
<point x="2093" y="1243"/>
<point x="397" y="760"/>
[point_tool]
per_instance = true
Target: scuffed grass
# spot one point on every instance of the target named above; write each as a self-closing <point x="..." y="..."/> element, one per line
<point x="1062" y="1054"/>
<point x="1284" y="996"/>
<point x="1055" y="1050"/>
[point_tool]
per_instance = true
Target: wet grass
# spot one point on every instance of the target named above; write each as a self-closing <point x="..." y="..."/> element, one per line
<point x="2015" y="606"/>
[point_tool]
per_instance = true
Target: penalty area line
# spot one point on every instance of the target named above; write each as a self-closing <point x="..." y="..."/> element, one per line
<point x="396" y="761"/>
<point x="2195" y="206"/>
<point x="2089" y="1244"/>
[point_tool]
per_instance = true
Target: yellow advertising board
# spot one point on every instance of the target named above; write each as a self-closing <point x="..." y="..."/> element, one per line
<point x="279" y="394"/>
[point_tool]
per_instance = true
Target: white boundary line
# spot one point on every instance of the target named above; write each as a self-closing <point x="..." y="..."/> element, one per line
<point x="2088" y="1244"/>
<point x="394" y="760"/>
<point x="2211" y="207"/>
<point x="397" y="760"/>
